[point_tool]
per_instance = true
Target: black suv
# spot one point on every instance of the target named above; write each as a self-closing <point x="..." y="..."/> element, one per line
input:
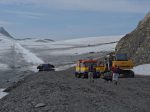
<point x="46" y="67"/>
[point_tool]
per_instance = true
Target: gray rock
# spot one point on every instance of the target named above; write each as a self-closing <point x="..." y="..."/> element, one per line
<point x="137" y="43"/>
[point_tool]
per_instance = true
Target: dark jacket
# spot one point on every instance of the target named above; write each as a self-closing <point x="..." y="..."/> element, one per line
<point x="116" y="70"/>
<point x="92" y="68"/>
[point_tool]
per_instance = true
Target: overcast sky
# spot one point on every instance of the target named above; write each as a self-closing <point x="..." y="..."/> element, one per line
<point x="66" y="19"/>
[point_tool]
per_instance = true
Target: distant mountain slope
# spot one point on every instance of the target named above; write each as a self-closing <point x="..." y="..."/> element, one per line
<point x="4" y="32"/>
<point x="44" y="40"/>
<point x="137" y="43"/>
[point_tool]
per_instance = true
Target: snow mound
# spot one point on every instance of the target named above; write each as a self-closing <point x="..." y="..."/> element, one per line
<point x="33" y="68"/>
<point x="142" y="69"/>
<point x="2" y="94"/>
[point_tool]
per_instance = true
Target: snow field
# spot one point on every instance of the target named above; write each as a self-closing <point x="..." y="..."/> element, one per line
<point x="142" y="69"/>
<point x="2" y="94"/>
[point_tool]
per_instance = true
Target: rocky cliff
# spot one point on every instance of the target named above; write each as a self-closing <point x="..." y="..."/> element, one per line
<point x="137" y="43"/>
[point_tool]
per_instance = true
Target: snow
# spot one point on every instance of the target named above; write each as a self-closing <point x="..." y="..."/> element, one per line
<point x="4" y="38"/>
<point x="90" y="40"/>
<point x="72" y="43"/>
<point x="142" y="69"/>
<point x="33" y="68"/>
<point x="75" y="46"/>
<point x="5" y="44"/>
<point x="3" y="67"/>
<point x="61" y="68"/>
<point x="2" y="94"/>
<point x="28" y="56"/>
<point x="83" y="50"/>
<point x="84" y="45"/>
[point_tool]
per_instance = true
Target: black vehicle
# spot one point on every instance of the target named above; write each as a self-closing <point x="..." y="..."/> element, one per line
<point x="46" y="67"/>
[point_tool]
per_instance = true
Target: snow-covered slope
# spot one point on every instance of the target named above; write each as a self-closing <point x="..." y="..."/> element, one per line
<point x="27" y="55"/>
<point x="142" y="69"/>
<point x="2" y="94"/>
<point x="13" y="54"/>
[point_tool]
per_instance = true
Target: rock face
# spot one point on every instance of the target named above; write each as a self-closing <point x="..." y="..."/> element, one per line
<point x="4" y="32"/>
<point x="137" y="43"/>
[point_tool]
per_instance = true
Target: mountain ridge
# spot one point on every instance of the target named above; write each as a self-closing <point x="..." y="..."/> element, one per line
<point x="5" y="33"/>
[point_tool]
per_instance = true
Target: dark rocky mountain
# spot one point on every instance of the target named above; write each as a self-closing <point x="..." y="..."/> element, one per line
<point x="5" y="33"/>
<point x="137" y="43"/>
<point x="24" y="39"/>
<point x="44" y="40"/>
<point x="49" y="40"/>
<point x="36" y="40"/>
